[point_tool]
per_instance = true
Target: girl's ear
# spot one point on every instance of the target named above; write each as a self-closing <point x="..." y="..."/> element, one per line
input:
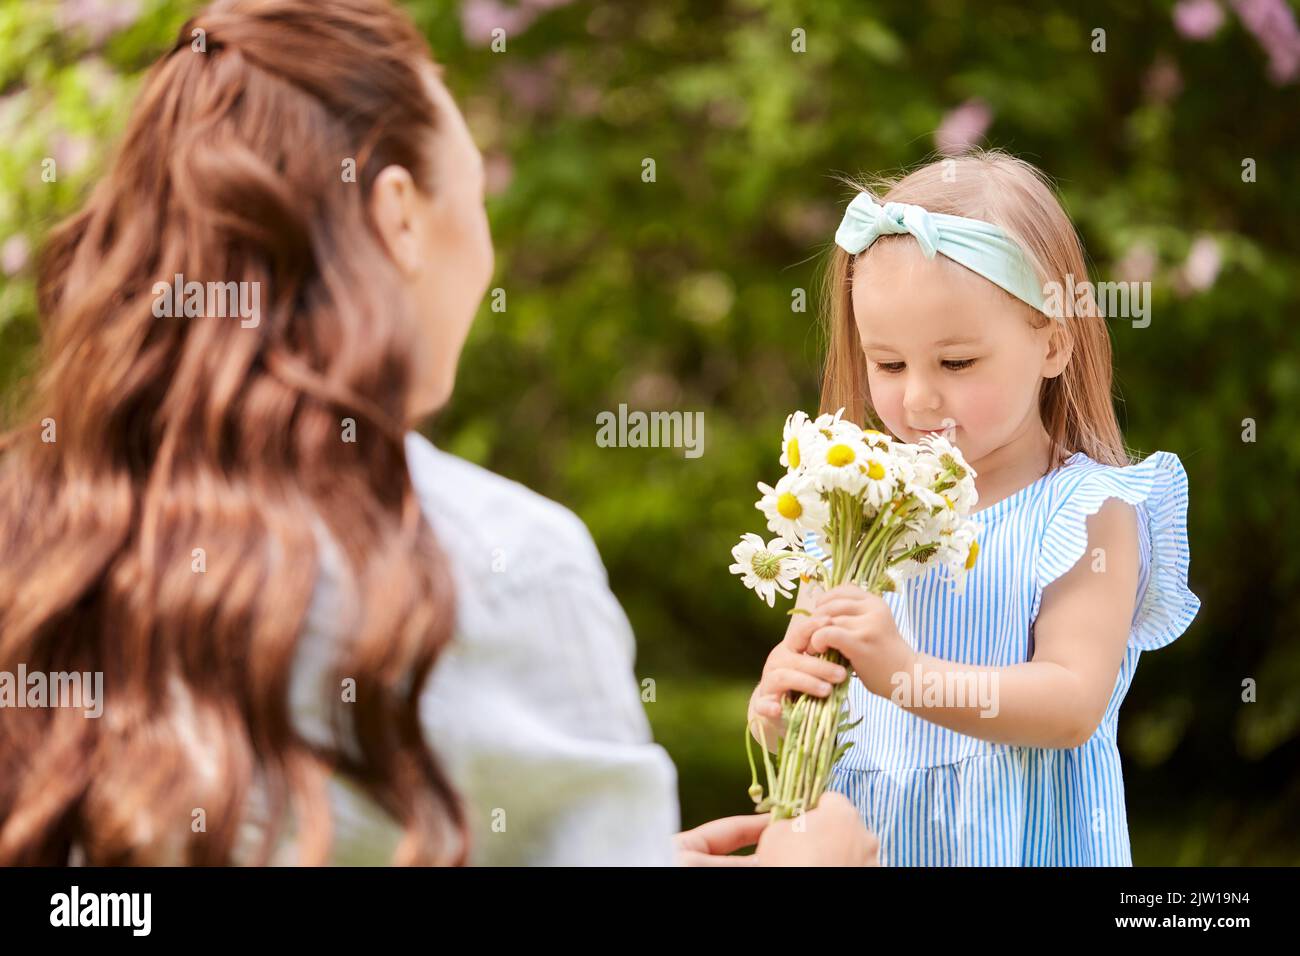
<point x="1060" y="346"/>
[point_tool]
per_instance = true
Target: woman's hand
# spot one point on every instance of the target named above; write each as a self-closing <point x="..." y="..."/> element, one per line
<point x="709" y="843"/>
<point x="833" y="834"/>
<point x="860" y="626"/>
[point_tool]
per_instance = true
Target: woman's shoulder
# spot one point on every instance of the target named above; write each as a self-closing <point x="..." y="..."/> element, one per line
<point x="490" y="523"/>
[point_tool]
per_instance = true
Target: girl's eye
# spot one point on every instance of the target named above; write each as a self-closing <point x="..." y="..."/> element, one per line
<point x="953" y="365"/>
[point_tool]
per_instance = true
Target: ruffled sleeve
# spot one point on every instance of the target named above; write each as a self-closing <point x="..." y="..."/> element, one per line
<point x="1157" y="487"/>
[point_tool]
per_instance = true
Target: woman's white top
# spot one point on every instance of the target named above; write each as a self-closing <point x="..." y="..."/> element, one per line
<point x="534" y="709"/>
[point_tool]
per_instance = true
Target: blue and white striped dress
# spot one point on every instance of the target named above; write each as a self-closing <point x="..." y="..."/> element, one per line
<point x="935" y="797"/>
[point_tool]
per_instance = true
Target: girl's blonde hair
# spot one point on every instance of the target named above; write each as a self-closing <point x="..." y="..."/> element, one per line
<point x="1076" y="406"/>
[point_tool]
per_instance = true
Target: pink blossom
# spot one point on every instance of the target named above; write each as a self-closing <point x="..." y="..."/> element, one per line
<point x="808" y="222"/>
<point x="69" y="152"/>
<point x="1139" y="263"/>
<point x="98" y="79"/>
<point x="585" y="100"/>
<point x="963" y="126"/>
<point x="1202" y="265"/>
<point x="1273" y="25"/>
<point x="478" y="18"/>
<point x="100" y="19"/>
<point x="1197" y="19"/>
<point x="13" y="254"/>
<point x="1163" y="81"/>
<point x="532" y="86"/>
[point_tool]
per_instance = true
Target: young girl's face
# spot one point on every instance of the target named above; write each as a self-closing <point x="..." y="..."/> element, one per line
<point x="947" y="350"/>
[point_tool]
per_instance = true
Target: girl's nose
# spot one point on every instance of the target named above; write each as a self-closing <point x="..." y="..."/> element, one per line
<point x="919" y="395"/>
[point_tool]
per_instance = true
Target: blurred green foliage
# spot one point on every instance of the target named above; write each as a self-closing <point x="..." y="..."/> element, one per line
<point x="678" y="294"/>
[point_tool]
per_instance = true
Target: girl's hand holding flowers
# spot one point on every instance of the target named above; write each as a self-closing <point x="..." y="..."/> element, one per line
<point x="791" y="669"/>
<point x="860" y="626"/>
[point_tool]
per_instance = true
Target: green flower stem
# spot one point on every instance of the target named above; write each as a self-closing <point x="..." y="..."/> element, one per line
<point x="836" y="709"/>
<point x="793" y="805"/>
<point x="869" y="541"/>
<point x="789" y="757"/>
<point x="822" y="742"/>
<point x="858" y="554"/>
<point x="767" y="759"/>
<point x="806" y="737"/>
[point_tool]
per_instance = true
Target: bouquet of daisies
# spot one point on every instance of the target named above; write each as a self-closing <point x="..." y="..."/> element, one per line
<point x="853" y="506"/>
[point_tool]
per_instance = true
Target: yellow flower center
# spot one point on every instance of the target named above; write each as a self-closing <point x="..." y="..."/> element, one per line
<point x="792" y="452"/>
<point x="875" y="471"/>
<point x="970" y="558"/>
<point x="787" y="506"/>
<point x="839" y="455"/>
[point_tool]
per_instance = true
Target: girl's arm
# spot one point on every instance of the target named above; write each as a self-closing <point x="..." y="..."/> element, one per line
<point x="1055" y="700"/>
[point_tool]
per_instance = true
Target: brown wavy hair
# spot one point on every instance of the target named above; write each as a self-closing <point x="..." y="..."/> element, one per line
<point x="172" y="435"/>
<point x="1076" y="407"/>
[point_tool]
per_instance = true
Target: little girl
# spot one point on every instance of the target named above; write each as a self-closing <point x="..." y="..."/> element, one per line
<point x="940" y="321"/>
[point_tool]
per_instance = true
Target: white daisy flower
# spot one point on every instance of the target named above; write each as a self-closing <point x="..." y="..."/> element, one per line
<point x="952" y="474"/>
<point x="926" y="470"/>
<point x="879" y="440"/>
<point x="881" y="476"/>
<point x="920" y="534"/>
<point x="936" y="444"/>
<point x="828" y="429"/>
<point x="958" y="553"/>
<point x="814" y="569"/>
<point x="797" y="435"/>
<point x="839" y="465"/>
<point x="827" y="420"/>
<point x="964" y="495"/>
<point x="912" y="503"/>
<point x="793" y="507"/>
<point x="767" y="570"/>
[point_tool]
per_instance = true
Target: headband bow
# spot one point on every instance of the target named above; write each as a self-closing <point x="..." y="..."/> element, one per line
<point x="979" y="246"/>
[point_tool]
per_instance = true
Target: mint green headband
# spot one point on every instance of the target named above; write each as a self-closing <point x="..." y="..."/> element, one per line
<point x="980" y="246"/>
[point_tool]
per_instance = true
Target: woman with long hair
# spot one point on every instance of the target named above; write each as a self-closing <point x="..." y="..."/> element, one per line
<point x="214" y="492"/>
